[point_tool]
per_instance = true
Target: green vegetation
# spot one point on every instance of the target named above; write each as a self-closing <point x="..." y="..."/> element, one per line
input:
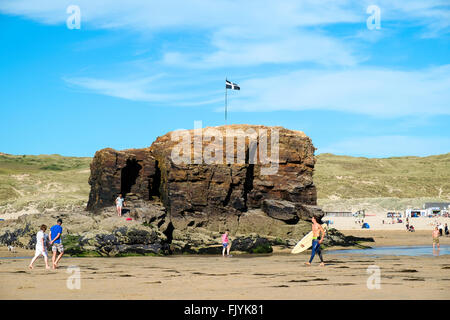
<point x="72" y="245"/>
<point x="352" y="183"/>
<point x="34" y="183"/>
<point x="264" y="248"/>
<point x="401" y="177"/>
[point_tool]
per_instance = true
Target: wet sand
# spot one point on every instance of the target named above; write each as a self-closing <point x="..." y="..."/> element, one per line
<point x="276" y="276"/>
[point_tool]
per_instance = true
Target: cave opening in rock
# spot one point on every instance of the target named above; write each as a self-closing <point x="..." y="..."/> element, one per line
<point x="129" y="175"/>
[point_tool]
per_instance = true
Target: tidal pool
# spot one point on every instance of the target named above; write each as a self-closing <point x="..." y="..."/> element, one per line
<point x="397" y="251"/>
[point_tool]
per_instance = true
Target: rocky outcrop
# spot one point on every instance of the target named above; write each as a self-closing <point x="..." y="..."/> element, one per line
<point x="190" y="186"/>
<point x="85" y="234"/>
<point x="336" y="238"/>
<point x="150" y="233"/>
<point x="251" y="244"/>
<point x="208" y="189"/>
<point x="114" y="172"/>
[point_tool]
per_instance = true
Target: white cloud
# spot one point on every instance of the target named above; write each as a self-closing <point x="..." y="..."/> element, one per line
<point x="373" y="91"/>
<point x="160" y="89"/>
<point x="153" y="15"/>
<point x="236" y="48"/>
<point x="131" y="89"/>
<point x="255" y="15"/>
<point x="254" y="32"/>
<point x="389" y="146"/>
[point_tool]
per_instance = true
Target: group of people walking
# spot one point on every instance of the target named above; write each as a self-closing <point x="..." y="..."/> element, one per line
<point x="43" y="241"/>
<point x="53" y="239"/>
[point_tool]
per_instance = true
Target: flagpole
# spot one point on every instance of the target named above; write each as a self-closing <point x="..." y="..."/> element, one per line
<point x="226" y="102"/>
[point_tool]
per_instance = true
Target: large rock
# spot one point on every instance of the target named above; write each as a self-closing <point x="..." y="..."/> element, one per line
<point x="281" y="209"/>
<point x="213" y="194"/>
<point x="251" y="244"/>
<point x="128" y="171"/>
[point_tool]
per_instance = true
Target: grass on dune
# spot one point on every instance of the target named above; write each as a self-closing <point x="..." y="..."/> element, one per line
<point x="343" y="182"/>
<point x="398" y="177"/>
<point x="43" y="181"/>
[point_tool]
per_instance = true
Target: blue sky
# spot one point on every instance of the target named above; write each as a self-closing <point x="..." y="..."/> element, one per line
<point x="138" y="70"/>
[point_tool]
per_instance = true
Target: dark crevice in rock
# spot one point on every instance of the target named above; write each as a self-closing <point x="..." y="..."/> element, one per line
<point x="230" y="191"/>
<point x="129" y="175"/>
<point x="155" y="182"/>
<point x="248" y="183"/>
<point x="161" y="222"/>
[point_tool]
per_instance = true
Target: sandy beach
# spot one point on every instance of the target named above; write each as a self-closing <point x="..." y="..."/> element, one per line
<point x="276" y="276"/>
<point x="380" y="222"/>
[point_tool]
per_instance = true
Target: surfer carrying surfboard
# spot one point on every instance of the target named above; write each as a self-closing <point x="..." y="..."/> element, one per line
<point x="317" y="231"/>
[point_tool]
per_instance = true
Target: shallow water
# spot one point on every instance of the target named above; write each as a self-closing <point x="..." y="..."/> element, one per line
<point x="397" y="251"/>
<point x="376" y="251"/>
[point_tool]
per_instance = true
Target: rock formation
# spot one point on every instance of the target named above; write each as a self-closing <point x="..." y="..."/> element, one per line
<point x="186" y="189"/>
<point x="208" y="189"/>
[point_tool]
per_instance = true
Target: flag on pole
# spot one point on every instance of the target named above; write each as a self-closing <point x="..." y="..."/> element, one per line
<point x="231" y="85"/>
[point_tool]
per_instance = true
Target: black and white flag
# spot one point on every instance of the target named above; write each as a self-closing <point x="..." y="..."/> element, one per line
<point x="231" y="85"/>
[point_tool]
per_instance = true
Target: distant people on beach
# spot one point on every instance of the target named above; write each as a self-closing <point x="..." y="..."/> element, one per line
<point x="441" y="229"/>
<point x="411" y="228"/>
<point x="226" y="243"/>
<point x="446" y="230"/>
<point x="120" y="202"/>
<point x="435" y="237"/>
<point x="41" y="247"/>
<point x="55" y="242"/>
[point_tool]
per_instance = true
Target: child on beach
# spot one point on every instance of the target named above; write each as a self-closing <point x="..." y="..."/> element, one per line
<point x="120" y="202"/>
<point x="225" y="243"/>
<point x="436" y="237"/>
<point x="41" y="247"/>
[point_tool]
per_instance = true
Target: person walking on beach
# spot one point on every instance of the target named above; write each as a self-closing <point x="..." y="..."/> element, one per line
<point x="446" y="230"/>
<point x="120" y="202"/>
<point x="436" y="237"/>
<point x="441" y="231"/>
<point x="225" y="244"/>
<point x="55" y="242"/>
<point x="41" y="247"/>
<point x="317" y="231"/>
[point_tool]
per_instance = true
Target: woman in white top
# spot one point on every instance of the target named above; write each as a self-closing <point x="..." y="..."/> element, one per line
<point x="41" y="247"/>
<point x="120" y="202"/>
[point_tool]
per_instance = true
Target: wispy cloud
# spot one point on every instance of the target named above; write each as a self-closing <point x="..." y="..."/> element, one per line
<point x="234" y="47"/>
<point x="433" y="15"/>
<point x="259" y="32"/>
<point x="130" y="89"/>
<point x="154" y="15"/>
<point x="156" y="89"/>
<point x="373" y="91"/>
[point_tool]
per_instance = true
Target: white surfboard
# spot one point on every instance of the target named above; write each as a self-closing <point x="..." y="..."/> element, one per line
<point x="305" y="243"/>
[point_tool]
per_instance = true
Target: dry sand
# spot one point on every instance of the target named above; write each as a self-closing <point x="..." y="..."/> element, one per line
<point x="276" y="276"/>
